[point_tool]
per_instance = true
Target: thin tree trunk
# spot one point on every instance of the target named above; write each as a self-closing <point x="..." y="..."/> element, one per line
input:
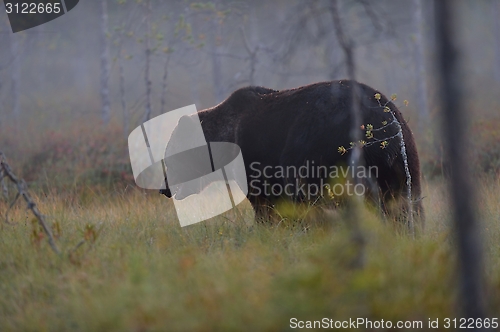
<point x="195" y="93"/>
<point x="423" y="110"/>
<point x="355" y="132"/>
<point x="333" y="60"/>
<point x="461" y="185"/>
<point x="14" y="47"/>
<point x="388" y="55"/>
<point x="217" y="74"/>
<point x="126" y="119"/>
<point x="496" y="22"/>
<point x="216" y="61"/>
<point x="253" y="39"/>
<point x="147" y="79"/>
<point x="105" y="63"/>
<point x="331" y="55"/>
<point x="193" y="69"/>
<point x="164" y="85"/>
<point x="252" y="56"/>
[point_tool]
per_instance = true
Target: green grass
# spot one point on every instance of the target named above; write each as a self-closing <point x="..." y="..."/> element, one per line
<point x="140" y="271"/>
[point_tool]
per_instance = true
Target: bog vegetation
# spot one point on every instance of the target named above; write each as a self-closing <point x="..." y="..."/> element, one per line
<point x="128" y="265"/>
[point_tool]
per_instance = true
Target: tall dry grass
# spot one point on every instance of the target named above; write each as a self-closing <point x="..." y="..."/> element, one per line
<point x="139" y="270"/>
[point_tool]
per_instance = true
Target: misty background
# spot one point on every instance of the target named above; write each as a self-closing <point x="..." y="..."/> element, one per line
<point x="156" y="56"/>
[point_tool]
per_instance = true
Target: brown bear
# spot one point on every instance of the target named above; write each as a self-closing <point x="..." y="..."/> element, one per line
<point x="296" y="144"/>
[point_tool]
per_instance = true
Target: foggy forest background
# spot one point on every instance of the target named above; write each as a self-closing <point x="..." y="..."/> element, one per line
<point x="53" y="78"/>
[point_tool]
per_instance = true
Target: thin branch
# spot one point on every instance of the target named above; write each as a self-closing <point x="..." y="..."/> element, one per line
<point x="78" y="245"/>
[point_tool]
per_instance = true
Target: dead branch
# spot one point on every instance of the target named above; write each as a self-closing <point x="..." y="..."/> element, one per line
<point x="22" y="189"/>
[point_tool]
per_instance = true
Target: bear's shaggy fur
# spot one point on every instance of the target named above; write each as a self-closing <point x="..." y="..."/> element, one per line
<point x="311" y="125"/>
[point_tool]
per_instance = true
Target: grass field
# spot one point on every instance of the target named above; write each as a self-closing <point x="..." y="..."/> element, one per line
<point x="138" y="270"/>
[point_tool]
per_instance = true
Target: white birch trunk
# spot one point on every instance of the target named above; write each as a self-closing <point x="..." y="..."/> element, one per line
<point x="105" y="64"/>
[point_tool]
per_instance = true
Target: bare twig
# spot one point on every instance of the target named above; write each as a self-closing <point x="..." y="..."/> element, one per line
<point x="23" y="191"/>
<point x="409" y="202"/>
<point x="78" y="245"/>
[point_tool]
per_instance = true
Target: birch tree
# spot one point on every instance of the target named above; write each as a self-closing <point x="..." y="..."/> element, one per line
<point x="15" y="56"/>
<point x="105" y="112"/>
<point x="215" y="50"/>
<point x="496" y="22"/>
<point x="419" y="43"/>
